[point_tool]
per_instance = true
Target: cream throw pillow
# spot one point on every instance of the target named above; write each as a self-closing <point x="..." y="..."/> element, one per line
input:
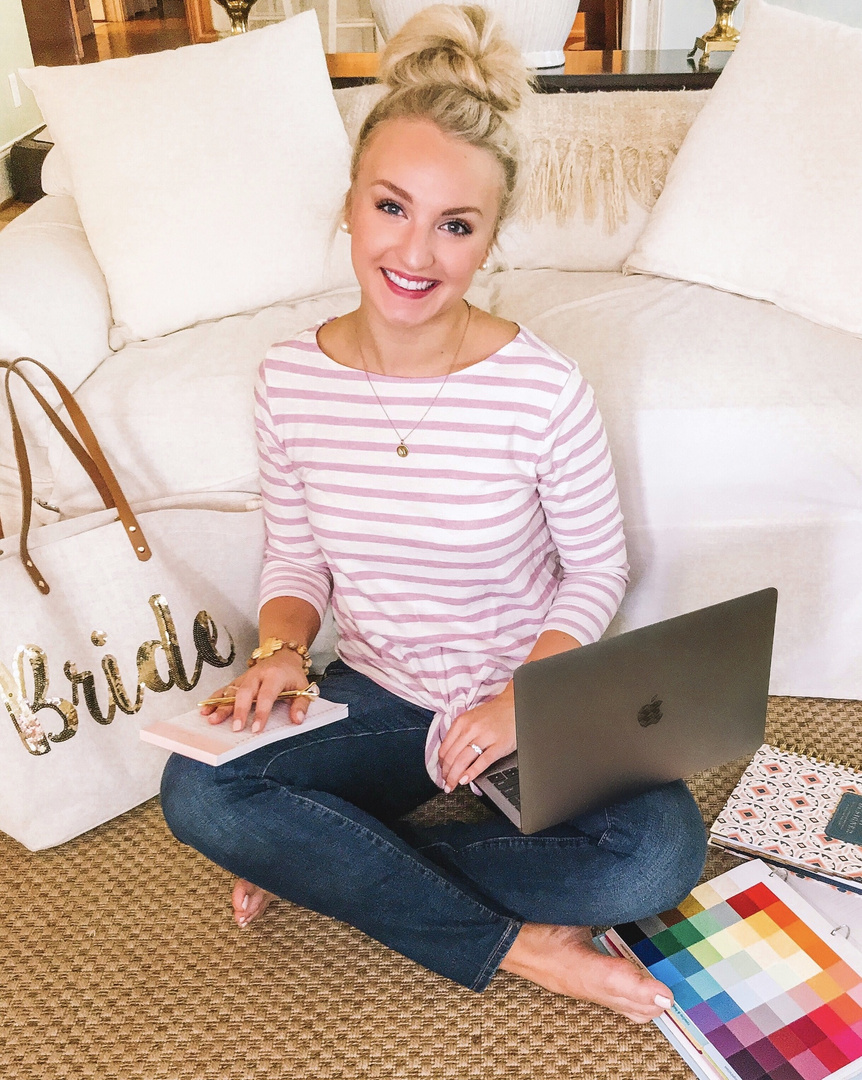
<point x="763" y="198"/>
<point x="208" y="178"/>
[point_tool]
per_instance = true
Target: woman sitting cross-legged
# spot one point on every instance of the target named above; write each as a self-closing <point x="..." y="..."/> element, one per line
<point x="442" y="478"/>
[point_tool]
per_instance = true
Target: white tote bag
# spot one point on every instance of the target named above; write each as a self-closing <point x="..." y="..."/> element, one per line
<point x="108" y="622"/>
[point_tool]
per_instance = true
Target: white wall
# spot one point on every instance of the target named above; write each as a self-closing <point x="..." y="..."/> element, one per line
<point x="674" y="24"/>
<point x="14" y="53"/>
<point x="684" y="20"/>
<point x="844" y="11"/>
<point x="267" y="11"/>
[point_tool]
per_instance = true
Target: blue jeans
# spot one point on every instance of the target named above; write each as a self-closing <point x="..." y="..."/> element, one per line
<point x="316" y="819"/>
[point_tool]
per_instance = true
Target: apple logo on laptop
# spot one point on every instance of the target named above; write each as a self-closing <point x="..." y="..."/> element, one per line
<point x="650" y="713"/>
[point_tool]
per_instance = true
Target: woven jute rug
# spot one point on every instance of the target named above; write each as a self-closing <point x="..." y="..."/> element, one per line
<point x="120" y="960"/>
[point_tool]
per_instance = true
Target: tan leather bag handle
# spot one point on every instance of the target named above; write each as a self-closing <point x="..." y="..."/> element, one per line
<point x="86" y="449"/>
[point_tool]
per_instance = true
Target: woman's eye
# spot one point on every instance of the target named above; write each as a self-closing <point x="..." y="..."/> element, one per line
<point x="458" y="228"/>
<point x="389" y="207"/>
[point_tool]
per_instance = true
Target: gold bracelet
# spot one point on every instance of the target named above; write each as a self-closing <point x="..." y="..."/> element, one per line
<point x="273" y="645"/>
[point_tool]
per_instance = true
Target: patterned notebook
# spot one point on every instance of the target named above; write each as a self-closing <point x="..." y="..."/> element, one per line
<point x="781" y="809"/>
<point x="763" y="989"/>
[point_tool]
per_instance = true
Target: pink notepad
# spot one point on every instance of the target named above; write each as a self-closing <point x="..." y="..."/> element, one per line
<point x="192" y="735"/>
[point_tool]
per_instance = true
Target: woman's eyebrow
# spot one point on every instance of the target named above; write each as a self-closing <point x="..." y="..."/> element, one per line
<point x="402" y="194"/>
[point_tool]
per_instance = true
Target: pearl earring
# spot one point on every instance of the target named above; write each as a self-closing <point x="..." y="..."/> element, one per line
<point x="344" y="227"/>
<point x="485" y="265"/>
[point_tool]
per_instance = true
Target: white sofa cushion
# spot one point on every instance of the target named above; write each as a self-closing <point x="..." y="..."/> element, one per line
<point x="55" y="303"/>
<point x="763" y="198"/>
<point x="174" y="415"/>
<point x="738" y="466"/>
<point x="53" y="307"/>
<point x="208" y="178"/>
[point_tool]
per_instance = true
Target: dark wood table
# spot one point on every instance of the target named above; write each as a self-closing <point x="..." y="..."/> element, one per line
<point x="585" y="70"/>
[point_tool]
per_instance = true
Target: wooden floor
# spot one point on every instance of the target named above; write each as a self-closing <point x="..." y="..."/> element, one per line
<point x="9" y="211"/>
<point x="146" y="34"/>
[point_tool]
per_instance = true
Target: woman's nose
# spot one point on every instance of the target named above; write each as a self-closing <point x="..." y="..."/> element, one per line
<point x="416" y="248"/>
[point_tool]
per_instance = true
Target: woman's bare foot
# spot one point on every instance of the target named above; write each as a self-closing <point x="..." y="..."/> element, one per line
<point x="563" y="959"/>
<point x="249" y="902"/>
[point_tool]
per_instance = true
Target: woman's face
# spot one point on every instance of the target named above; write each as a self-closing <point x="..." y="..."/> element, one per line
<point x="423" y="210"/>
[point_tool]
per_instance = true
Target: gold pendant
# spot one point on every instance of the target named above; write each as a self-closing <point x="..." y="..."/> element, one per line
<point x="402" y="450"/>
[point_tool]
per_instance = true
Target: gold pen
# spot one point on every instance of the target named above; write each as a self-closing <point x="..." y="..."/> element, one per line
<point x="311" y="691"/>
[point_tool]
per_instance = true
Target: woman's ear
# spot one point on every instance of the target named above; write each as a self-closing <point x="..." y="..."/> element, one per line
<point x="347" y="211"/>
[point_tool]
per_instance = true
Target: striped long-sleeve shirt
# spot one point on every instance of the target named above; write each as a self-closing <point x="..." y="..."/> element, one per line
<point x="442" y="567"/>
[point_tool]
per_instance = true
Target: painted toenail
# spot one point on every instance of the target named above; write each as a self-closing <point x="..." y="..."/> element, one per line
<point x="662" y="1001"/>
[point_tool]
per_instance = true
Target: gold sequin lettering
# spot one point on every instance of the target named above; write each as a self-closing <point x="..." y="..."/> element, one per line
<point x="23" y="718"/>
<point x="159" y="667"/>
<point x="35" y="658"/>
<point x="118" y="690"/>
<point x="205" y="635"/>
<point x="171" y="647"/>
<point x="85" y="680"/>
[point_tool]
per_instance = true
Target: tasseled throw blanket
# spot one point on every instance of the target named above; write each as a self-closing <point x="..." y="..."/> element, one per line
<point x="586" y="152"/>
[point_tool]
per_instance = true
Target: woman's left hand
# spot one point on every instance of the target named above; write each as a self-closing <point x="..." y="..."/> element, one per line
<point x="490" y="726"/>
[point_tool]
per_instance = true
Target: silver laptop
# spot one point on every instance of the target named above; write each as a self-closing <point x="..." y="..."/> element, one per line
<point x="603" y="722"/>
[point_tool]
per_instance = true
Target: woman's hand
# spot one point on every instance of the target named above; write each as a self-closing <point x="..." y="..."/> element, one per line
<point x="490" y="726"/>
<point x="260" y="686"/>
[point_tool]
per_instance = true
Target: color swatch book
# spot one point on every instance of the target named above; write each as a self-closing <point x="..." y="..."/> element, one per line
<point x="763" y="990"/>
<point x="194" y="736"/>
<point x="792" y="810"/>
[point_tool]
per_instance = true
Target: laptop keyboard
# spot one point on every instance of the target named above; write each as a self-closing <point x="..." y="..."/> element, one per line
<point x="508" y="782"/>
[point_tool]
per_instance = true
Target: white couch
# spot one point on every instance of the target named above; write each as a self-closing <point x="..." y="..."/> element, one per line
<point x="734" y="425"/>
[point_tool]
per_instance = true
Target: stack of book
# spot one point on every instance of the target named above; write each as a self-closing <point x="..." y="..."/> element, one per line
<point x="793" y="810"/>
<point x="764" y="987"/>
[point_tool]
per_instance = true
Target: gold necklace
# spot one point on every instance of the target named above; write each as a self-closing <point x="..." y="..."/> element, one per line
<point x="401" y="449"/>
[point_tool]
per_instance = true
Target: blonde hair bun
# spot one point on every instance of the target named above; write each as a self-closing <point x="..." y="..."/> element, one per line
<point x="460" y="48"/>
<point x="454" y="67"/>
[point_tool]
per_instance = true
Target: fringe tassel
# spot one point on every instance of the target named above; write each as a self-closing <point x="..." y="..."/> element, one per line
<point x="569" y="177"/>
<point x="619" y="149"/>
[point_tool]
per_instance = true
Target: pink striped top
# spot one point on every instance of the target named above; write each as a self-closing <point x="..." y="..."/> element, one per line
<point x="445" y="566"/>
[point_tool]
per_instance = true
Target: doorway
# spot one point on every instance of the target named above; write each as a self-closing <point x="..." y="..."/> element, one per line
<point x="84" y="31"/>
<point x="131" y="27"/>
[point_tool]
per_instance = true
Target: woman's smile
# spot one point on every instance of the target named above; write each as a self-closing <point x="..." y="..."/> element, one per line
<point x="415" y="288"/>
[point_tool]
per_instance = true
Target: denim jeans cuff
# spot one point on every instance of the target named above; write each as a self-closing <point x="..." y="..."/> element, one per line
<point x="489" y="969"/>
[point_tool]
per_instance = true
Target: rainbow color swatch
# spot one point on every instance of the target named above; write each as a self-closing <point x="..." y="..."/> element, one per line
<point x="758" y="977"/>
